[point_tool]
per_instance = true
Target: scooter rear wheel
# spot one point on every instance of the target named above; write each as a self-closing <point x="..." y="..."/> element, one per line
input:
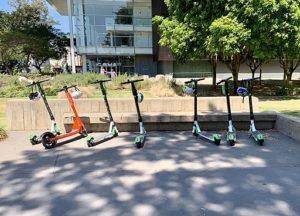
<point x="46" y="140"/>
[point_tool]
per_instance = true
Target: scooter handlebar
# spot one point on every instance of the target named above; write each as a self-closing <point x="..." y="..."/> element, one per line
<point x="132" y="81"/>
<point x="36" y="82"/>
<point x="194" y="80"/>
<point x="66" y="88"/>
<point x="100" y="81"/>
<point x="224" y="80"/>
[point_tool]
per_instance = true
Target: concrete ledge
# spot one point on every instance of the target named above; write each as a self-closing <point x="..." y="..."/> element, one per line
<point x="288" y="125"/>
<point x="23" y="114"/>
<point x="176" y="121"/>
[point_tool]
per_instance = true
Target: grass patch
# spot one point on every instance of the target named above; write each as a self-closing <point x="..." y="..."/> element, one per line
<point x="288" y="105"/>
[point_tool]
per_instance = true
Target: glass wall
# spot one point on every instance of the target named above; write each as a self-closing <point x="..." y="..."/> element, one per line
<point x="112" y="24"/>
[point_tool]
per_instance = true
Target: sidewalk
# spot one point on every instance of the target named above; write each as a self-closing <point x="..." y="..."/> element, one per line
<point x="174" y="174"/>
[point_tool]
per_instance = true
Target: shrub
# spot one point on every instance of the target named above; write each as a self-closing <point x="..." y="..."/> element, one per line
<point x="3" y="134"/>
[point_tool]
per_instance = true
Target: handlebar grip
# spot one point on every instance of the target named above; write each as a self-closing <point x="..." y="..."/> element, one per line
<point x="35" y="82"/>
<point x="100" y="81"/>
<point x="194" y="80"/>
<point x="66" y="88"/>
<point x="132" y="81"/>
<point x="224" y="80"/>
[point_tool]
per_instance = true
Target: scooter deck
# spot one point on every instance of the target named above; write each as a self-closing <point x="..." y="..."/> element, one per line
<point x="98" y="140"/>
<point x="210" y="137"/>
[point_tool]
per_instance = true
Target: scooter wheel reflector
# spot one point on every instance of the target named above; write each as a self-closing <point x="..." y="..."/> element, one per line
<point x="46" y="140"/>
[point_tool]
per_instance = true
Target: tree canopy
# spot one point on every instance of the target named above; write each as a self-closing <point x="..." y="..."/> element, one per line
<point x="27" y="35"/>
<point x="234" y="30"/>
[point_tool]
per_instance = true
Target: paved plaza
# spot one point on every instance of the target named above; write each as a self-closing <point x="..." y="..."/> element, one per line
<point x="174" y="174"/>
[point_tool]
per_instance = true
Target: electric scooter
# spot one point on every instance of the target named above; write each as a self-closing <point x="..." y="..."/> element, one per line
<point x="138" y="98"/>
<point x="231" y="132"/>
<point x="247" y="91"/>
<point x="113" y="131"/>
<point x="191" y="88"/>
<point x="49" y="139"/>
<point x="35" y="96"/>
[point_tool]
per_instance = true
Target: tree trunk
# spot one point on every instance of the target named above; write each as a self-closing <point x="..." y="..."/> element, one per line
<point x="213" y="64"/>
<point x="234" y="67"/>
<point x="260" y="72"/>
<point x="27" y="63"/>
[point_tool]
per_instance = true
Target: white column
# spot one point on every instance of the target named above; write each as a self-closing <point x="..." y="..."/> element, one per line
<point x="71" y="37"/>
<point x="84" y="70"/>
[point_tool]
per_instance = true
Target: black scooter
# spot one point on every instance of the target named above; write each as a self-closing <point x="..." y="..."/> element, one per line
<point x="113" y="131"/>
<point x="34" y="96"/>
<point x="231" y="132"/>
<point x="247" y="91"/>
<point x="191" y="88"/>
<point x="138" y="98"/>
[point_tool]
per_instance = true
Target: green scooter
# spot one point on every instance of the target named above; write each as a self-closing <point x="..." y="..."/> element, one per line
<point x="138" y="98"/>
<point x="35" y="96"/>
<point x="231" y="132"/>
<point x="113" y="131"/>
<point x="191" y="88"/>
<point x="247" y="91"/>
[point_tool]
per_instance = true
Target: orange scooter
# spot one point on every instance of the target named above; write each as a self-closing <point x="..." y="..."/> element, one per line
<point x="49" y="139"/>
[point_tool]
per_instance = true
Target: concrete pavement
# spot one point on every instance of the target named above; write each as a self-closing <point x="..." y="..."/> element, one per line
<point x="175" y="174"/>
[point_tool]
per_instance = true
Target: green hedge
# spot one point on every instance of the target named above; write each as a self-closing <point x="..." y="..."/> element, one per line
<point x="15" y="86"/>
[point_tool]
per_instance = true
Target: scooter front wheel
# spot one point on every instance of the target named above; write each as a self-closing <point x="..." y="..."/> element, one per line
<point x="231" y="142"/>
<point x="34" y="140"/>
<point x="46" y="140"/>
<point x="139" y="142"/>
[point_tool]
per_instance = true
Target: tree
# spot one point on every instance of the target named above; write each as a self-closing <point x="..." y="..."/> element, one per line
<point x="186" y="29"/>
<point x="28" y="34"/>
<point x="52" y="46"/>
<point x="227" y="38"/>
<point x="275" y="30"/>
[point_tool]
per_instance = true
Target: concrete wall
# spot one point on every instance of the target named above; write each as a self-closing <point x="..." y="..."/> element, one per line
<point x="28" y="115"/>
<point x="288" y="125"/>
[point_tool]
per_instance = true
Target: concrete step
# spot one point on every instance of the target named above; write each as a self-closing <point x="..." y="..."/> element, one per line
<point x="99" y="122"/>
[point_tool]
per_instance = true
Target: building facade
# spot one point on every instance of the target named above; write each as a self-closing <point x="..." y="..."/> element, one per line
<point x="118" y="35"/>
<point x="114" y="34"/>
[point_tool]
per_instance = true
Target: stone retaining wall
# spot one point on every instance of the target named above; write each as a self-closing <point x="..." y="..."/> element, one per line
<point x="23" y="114"/>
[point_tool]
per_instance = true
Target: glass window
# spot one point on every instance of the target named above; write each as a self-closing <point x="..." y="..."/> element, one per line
<point x="103" y="10"/>
<point x="89" y="9"/>
<point x="104" y="40"/>
<point x="100" y="29"/>
<point x="124" y="20"/>
<point x="123" y="39"/>
<point x="99" y="20"/>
